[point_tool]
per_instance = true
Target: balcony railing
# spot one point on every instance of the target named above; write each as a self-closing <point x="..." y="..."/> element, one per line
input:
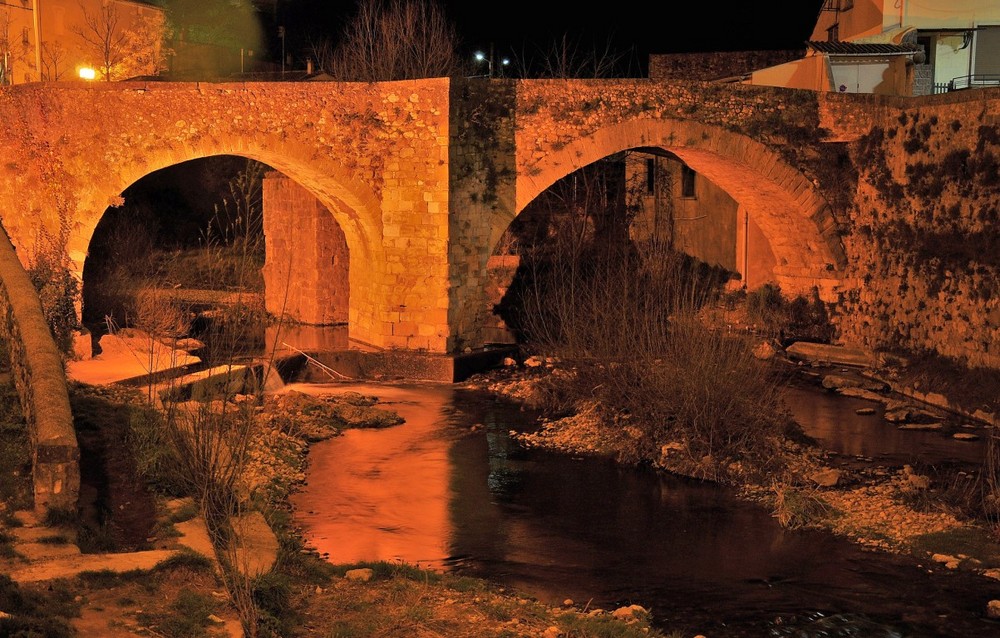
<point x="973" y="81"/>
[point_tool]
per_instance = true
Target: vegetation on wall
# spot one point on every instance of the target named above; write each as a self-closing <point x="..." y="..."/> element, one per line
<point x="58" y="287"/>
<point x="932" y="226"/>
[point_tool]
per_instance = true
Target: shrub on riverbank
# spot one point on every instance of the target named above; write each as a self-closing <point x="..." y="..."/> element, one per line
<point x="672" y="391"/>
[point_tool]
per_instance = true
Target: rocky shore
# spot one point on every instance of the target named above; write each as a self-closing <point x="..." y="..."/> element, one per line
<point x="883" y="508"/>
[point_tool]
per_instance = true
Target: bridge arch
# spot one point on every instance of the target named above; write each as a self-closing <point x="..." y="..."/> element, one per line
<point x="353" y="205"/>
<point x="792" y="215"/>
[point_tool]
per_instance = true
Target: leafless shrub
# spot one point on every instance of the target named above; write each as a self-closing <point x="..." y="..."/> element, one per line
<point x="392" y="40"/>
<point x="210" y="434"/>
<point x="569" y="57"/>
<point x="624" y="317"/>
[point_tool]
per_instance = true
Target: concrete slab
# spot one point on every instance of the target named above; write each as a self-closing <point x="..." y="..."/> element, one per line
<point x="825" y="353"/>
<point x="126" y="355"/>
<point x="194" y="536"/>
<point x="256" y="544"/>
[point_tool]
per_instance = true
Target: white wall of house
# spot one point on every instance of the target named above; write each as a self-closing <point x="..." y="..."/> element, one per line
<point x="940" y="14"/>
<point x="952" y="58"/>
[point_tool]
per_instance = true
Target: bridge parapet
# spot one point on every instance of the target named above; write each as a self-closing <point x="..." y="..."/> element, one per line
<point x="41" y="385"/>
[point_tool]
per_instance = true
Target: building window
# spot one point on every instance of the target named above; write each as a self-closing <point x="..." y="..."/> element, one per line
<point x="25" y="38"/>
<point x="687" y="181"/>
<point x="650" y="175"/>
<point x="833" y="33"/>
<point x="846" y="5"/>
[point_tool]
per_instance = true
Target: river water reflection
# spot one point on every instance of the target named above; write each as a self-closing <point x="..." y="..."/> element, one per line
<point x="450" y="490"/>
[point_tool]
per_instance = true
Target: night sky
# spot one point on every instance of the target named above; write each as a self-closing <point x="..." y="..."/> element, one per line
<point x="522" y="29"/>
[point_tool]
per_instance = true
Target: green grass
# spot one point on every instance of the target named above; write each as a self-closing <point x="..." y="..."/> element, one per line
<point x="42" y="613"/>
<point x="187" y="559"/>
<point x="603" y="626"/>
<point x="972" y="542"/>
<point x="189" y="617"/>
<point x="108" y="579"/>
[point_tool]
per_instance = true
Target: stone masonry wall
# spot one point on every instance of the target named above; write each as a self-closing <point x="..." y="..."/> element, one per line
<point x="924" y="240"/>
<point x="764" y="146"/>
<point x="306" y="256"/>
<point x="41" y="385"/>
<point x="374" y="154"/>
<point x="716" y="65"/>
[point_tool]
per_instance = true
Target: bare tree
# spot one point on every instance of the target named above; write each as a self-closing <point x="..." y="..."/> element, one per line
<point x="14" y="48"/>
<point x="393" y="40"/>
<point x="123" y="50"/>
<point x="53" y="56"/>
<point x="569" y="58"/>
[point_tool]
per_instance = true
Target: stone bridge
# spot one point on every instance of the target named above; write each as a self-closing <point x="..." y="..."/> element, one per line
<point x="422" y="178"/>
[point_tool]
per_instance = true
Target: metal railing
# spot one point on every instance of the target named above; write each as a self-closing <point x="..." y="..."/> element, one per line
<point x="972" y="81"/>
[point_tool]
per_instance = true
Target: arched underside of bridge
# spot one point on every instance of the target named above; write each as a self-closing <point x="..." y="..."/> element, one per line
<point x="352" y="204"/>
<point x="793" y="216"/>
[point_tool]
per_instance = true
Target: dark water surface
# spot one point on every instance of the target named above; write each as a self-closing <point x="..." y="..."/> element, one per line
<point x="439" y="492"/>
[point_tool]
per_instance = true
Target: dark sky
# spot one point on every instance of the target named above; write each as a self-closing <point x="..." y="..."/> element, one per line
<point x="522" y="28"/>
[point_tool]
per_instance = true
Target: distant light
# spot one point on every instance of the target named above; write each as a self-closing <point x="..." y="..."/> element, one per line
<point x="87" y="73"/>
<point x="505" y="61"/>
<point x="480" y="56"/>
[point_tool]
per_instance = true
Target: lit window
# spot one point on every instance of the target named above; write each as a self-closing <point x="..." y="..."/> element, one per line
<point x="687" y="181"/>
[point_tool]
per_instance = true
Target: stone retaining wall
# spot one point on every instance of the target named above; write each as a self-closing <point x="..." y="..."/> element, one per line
<point x="924" y="232"/>
<point x="41" y="386"/>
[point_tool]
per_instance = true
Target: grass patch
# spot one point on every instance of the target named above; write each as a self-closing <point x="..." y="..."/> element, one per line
<point x="188" y="616"/>
<point x="187" y="559"/>
<point x="971" y="542"/>
<point x="185" y="512"/>
<point x="603" y="626"/>
<point x="385" y="570"/>
<point x="797" y="508"/>
<point x="42" y="612"/>
<point x="108" y="579"/>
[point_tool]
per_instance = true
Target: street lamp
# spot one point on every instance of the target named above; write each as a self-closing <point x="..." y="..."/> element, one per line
<point x="480" y="57"/>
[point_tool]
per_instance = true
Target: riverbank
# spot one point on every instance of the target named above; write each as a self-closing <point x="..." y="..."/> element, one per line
<point x="881" y="507"/>
<point x="181" y="591"/>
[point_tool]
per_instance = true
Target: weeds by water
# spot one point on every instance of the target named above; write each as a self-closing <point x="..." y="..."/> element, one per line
<point x="627" y="325"/>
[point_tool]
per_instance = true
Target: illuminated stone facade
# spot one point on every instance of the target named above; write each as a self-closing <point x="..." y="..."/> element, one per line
<point x="423" y="178"/>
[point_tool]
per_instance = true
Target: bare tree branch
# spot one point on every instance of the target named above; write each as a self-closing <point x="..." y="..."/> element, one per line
<point x="123" y="50"/>
<point x="393" y="40"/>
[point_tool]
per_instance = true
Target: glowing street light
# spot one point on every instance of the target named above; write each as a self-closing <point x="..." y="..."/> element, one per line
<point x="482" y="57"/>
<point x="87" y="73"/>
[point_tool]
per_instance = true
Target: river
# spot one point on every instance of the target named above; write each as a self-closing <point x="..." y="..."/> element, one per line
<point x="450" y="490"/>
